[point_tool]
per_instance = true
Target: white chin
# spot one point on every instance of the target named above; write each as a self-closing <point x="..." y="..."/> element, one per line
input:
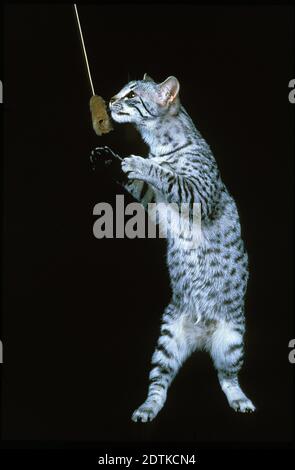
<point x="120" y="117"/>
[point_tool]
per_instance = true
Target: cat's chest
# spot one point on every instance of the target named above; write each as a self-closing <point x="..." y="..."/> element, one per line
<point x="167" y="215"/>
<point x="173" y="163"/>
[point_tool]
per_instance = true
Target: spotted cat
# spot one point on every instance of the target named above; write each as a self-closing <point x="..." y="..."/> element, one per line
<point x="208" y="277"/>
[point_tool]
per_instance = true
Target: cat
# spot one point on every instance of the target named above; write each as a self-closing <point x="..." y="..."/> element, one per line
<point x="209" y="277"/>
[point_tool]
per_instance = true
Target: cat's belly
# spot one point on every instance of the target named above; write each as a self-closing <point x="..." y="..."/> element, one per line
<point x="198" y="335"/>
<point x="203" y="284"/>
<point x="188" y="273"/>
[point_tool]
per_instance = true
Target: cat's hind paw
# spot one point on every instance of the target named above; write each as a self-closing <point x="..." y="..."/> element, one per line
<point x="145" y="413"/>
<point x="243" y="405"/>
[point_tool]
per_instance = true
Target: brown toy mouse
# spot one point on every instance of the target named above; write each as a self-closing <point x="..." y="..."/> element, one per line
<point x="100" y="119"/>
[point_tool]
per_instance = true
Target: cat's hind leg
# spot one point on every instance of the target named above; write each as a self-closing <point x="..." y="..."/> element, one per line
<point x="172" y="350"/>
<point x="227" y="353"/>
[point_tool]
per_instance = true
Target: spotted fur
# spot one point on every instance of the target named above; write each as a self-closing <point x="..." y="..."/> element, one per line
<point x="208" y="277"/>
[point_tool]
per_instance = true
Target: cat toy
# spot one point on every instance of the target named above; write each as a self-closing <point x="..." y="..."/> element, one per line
<point x="100" y="119"/>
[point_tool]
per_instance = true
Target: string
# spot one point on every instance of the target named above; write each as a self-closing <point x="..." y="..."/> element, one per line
<point x="83" y="47"/>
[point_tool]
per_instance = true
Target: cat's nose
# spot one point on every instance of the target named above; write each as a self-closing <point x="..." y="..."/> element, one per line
<point x="112" y="100"/>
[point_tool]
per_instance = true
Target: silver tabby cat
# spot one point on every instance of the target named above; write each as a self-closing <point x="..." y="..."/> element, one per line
<point x="208" y="277"/>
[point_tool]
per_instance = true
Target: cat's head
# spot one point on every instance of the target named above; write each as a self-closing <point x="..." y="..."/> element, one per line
<point x="143" y="100"/>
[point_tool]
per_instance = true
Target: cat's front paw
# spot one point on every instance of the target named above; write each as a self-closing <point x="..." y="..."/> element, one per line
<point x="135" y="167"/>
<point x="103" y="157"/>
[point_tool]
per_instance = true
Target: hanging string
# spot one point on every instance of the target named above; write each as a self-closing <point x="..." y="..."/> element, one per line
<point x="83" y="47"/>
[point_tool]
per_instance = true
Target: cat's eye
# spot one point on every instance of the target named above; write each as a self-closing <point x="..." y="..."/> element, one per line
<point x="131" y="94"/>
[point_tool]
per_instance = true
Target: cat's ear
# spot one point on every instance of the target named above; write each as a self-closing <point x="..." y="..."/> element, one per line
<point x="168" y="91"/>
<point x="147" y="78"/>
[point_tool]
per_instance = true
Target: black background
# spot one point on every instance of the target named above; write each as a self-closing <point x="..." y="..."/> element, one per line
<point x="81" y="315"/>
